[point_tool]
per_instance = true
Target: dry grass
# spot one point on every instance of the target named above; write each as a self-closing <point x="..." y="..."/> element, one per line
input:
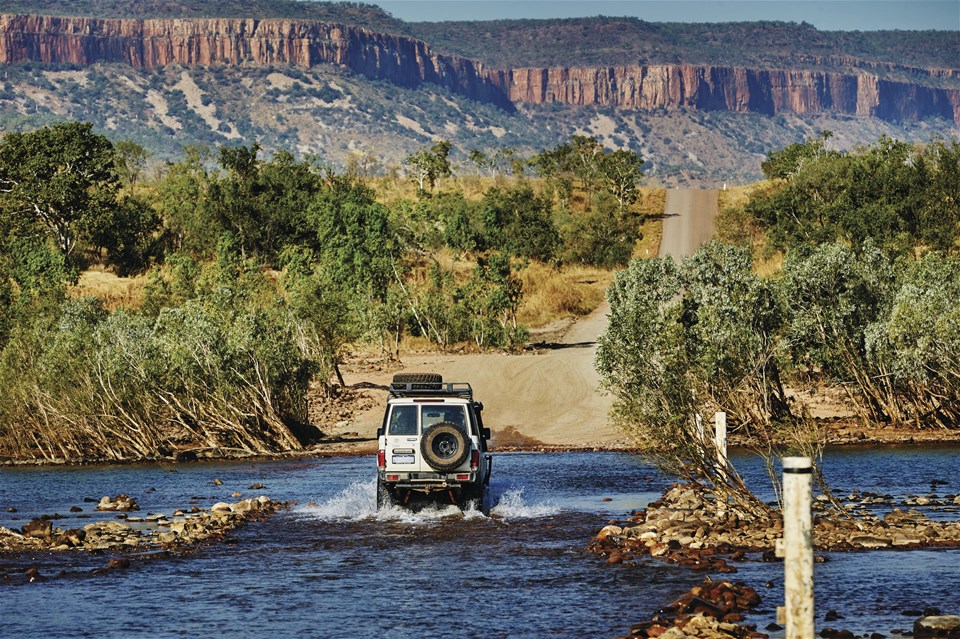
<point x="768" y="266"/>
<point x="734" y="226"/>
<point x="737" y="196"/>
<point x="115" y="292"/>
<point x="552" y="294"/>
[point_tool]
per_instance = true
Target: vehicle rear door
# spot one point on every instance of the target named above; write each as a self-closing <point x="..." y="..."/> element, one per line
<point x="403" y="439"/>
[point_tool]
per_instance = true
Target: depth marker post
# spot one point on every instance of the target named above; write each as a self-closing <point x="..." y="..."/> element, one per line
<point x="797" y="548"/>
<point x="720" y="441"/>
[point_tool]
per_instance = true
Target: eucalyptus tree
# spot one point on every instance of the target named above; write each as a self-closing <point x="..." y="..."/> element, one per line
<point x="61" y="179"/>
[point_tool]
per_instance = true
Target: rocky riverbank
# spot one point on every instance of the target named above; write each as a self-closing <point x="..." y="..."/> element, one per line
<point x="689" y="527"/>
<point x="128" y="536"/>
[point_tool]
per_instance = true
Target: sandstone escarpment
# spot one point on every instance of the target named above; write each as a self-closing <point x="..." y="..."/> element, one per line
<point x="409" y="62"/>
<point x="156" y="43"/>
<point x="731" y="89"/>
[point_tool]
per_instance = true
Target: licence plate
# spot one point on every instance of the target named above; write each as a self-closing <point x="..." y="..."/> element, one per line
<point x="404" y="459"/>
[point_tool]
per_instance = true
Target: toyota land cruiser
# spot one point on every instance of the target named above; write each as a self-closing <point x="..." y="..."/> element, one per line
<point x="432" y="443"/>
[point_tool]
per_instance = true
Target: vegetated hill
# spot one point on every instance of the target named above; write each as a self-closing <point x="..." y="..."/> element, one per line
<point x="301" y="84"/>
<point x="357" y="13"/>
<point x="629" y="41"/>
<point x="336" y="115"/>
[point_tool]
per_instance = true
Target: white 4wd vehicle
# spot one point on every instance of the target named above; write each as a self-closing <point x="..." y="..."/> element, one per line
<point x="433" y="443"/>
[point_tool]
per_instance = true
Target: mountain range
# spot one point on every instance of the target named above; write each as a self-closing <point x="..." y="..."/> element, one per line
<point x="702" y="103"/>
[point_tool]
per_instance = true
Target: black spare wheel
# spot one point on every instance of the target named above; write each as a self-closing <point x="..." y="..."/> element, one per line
<point x="421" y="381"/>
<point x="444" y="446"/>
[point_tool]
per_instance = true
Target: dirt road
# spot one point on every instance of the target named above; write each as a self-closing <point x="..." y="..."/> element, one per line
<point x="690" y="216"/>
<point x="550" y="397"/>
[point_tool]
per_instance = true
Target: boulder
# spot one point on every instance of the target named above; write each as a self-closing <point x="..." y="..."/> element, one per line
<point x="607" y="531"/>
<point x="37" y="529"/>
<point x="940" y="626"/>
<point x="869" y="541"/>
<point x="120" y="503"/>
<point x="73" y="537"/>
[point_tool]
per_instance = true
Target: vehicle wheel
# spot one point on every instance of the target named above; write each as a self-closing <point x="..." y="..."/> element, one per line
<point x="444" y="446"/>
<point x="385" y="497"/>
<point x="472" y="498"/>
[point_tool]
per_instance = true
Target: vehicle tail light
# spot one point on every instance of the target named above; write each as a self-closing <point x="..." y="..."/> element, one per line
<point x="393" y="477"/>
<point x="381" y="459"/>
<point x="475" y="459"/>
<point x="463" y="477"/>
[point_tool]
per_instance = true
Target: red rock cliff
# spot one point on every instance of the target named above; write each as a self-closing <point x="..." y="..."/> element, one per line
<point x="408" y="62"/>
<point x="154" y="43"/>
<point x="766" y="91"/>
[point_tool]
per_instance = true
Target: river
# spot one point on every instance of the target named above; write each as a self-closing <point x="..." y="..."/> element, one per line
<point x="331" y="566"/>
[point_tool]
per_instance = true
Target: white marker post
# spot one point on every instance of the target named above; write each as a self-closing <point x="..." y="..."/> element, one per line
<point x="720" y="441"/>
<point x="797" y="547"/>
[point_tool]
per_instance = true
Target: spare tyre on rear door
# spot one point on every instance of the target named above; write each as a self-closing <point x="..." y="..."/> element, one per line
<point x="444" y="446"/>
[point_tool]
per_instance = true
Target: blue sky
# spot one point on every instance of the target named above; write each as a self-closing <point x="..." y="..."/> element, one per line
<point x="831" y="15"/>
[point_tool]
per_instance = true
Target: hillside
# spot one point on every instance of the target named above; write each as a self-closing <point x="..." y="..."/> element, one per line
<point x="629" y="41"/>
<point x="356" y="13"/>
<point x="338" y="115"/>
<point x="345" y="79"/>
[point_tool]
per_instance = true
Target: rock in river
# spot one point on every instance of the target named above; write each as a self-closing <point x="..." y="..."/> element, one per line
<point x="939" y="626"/>
<point x="119" y="503"/>
<point x="38" y="529"/>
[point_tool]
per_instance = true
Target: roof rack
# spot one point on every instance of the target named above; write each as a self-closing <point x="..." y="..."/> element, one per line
<point x="432" y="389"/>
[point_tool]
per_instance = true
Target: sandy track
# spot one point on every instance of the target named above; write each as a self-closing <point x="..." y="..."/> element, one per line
<point x="550" y="397"/>
<point x="690" y="216"/>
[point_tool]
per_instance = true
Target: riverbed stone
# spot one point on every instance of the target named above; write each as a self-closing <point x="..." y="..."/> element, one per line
<point x="37" y="528"/>
<point x="121" y="502"/>
<point x="609" y="530"/>
<point x="941" y="626"/>
<point x="870" y="541"/>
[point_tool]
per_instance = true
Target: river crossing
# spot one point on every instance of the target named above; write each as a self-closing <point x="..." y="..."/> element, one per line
<point x="334" y="567"/>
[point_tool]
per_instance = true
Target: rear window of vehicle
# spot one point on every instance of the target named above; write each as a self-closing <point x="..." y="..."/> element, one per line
<point x="436" y="414"/>
<point x="404" y="419"/>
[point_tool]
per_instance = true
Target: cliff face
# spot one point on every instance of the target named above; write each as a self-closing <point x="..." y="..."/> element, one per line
<point x="731" y="89"/>
<point x="155" y="43"/>
<point x="409" y="62"/>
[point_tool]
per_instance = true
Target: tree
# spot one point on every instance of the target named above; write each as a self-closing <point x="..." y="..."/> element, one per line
<point x="356" y="244"/>
<point x="520" y="222"/>
<point x="234" y="196"/>
<point x="620" y="174"/>
<point x="586" y="156"/>
<point x="131" y="160"/>
<point x="184" y="203"/>
<point x="430" y="164"/>
<point x="126" y="233"/>
<point x="479" y="159"/>
<point x="693" y="339"/>
<point x="492" y="296"/>
<point x="599" y="237"/>
<point x="787" y="161"/>
<point x="62" y="178"/>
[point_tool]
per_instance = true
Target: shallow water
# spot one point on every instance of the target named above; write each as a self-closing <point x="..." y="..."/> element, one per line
<point x="340" y="569"/>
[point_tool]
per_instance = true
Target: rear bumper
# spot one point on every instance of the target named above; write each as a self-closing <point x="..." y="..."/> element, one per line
<point x="429" y="482"/>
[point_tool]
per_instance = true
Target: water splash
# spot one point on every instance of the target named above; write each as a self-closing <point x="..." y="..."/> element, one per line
<point x="358" y="501"/>
<point x="510" y="504"/>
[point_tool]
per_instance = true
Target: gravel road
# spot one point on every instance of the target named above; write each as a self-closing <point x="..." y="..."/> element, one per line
<point x="550" y="397"/>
